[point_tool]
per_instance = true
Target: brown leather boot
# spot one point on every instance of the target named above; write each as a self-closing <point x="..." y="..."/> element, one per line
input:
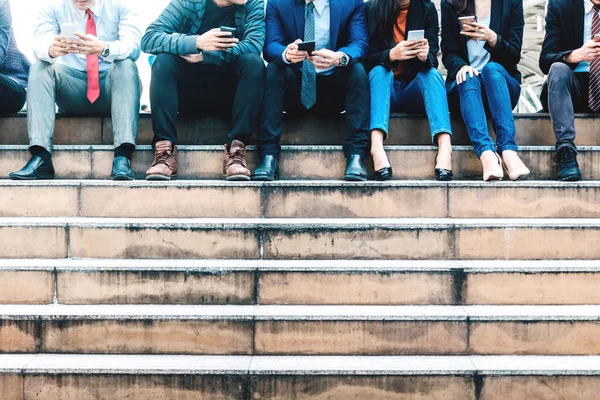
<point x="164" y="165"/>
<point x="234" y="165"/>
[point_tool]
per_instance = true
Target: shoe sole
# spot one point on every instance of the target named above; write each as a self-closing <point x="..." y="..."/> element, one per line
<point x="572" y="178"/>
<point x="238" y="178"/>
<point x="354" y="178"/>
<point x="122" y="178"/>
<point x="40" y="178"/>
<point x="160" y="178"/>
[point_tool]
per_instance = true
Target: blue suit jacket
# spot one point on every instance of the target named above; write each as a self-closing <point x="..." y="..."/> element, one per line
<point x="285" y="24"/>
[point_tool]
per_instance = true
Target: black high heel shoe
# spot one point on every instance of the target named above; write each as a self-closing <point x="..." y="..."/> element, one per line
<point x="384" y="174"/>
<point x="442" y="174"/>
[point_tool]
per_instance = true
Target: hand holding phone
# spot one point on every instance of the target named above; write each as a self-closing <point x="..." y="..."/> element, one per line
<point x="68" y="30"/>
<point x="308" y="47"/>
<point x="596" y="38"/>
<point x="466" y="23"/>
<point x="233" y="31"/>
<point x="293" y="54"/>
<point x="415" y="35"/>
<point x="216" y="40"/>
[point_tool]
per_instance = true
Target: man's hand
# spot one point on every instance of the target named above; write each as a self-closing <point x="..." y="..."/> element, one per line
<point x="215" y="40"/>
<point x="194" y="58"/>
<point x="89" y="45"/>
<point x="461" y="76"/>
<point x="406" y="50"/>
<point x="480" y="32"/>
<point x="293" y="55"/>
<point x="60" y="47"/>
<point x="423" y="54"/>
<point x="588" y="52"/>
<point x="325" y="59"/>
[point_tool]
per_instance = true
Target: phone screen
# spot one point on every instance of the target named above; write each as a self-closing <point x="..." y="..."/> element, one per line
<point x="309" y="47"/>
<point x="68" y="29"/>
<point x="415" y="35"/>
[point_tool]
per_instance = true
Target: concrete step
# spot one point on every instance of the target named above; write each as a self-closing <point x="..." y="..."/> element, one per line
<point x="119" y="377"/>
<point x="288" y="282"/>
<point x="300" y="199"/>
<point x="297" y="162"/>
<point x="301" y="330"/>
<point x="532" y="129"/>
<point x="284" y="239"/>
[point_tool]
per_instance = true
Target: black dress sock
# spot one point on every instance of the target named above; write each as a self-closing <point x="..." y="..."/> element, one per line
<point x="125" y="150"/>
<point x="41" y="152"/>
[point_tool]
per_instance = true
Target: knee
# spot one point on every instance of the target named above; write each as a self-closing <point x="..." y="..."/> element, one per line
<point x="165" y="65"/>
<point x="252" y="65"/>
<point x="125" y="69"/>
<point x="380" y="73"/>
<point x="41" y="70"/>
<point x="473" y="83"/>
<point x="358" y="75"/>
<point x="275" y="70"/>
<point x="559" y="72"/>
<point x="492" y="70"/>
<point x="431" y="77"/>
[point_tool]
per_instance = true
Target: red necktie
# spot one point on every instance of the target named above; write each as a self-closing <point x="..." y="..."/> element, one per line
<point x="93" y="70"/>
<point x="594" y="91"/>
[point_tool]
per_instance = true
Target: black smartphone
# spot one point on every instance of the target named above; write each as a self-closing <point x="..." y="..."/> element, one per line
<point x="233" y="31"/>
<point x="465" y="21"/>
<point x="309" y="47"/>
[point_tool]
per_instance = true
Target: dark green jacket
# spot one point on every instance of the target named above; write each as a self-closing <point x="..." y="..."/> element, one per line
<point x="175" y="31"/>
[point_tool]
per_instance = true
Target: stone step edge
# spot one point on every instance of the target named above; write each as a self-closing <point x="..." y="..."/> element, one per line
<point x="328" y="266"/>
<point x="303" y="183"/>
<point x="257" y="313"/>
<point x="300" y="224"/>
<point x="285" y="148"/>
<point x="78" y="364"/>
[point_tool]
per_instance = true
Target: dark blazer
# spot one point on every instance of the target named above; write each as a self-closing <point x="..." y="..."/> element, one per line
<point x="508" y="23"/>
<point x="285" y="24"/>
<point x="421" y="15"/>
<point x="564" y="31"/>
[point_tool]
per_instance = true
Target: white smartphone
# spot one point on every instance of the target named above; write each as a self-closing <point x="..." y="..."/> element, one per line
<point x="415" y="35"/>
<point x="68" y="29"/>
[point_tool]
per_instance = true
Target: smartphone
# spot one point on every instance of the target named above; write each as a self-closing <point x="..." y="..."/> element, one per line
<point x="415" y="35"/>
<point x="68" y="29"/>
<point x="596" y="38"/>
<point x="466" y="20"/>
<point x="309" y="47"/>
<point x="233" y="31"/>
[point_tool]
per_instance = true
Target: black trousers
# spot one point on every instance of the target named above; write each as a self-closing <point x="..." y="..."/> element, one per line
<point x="199" y="90"/>
<point x="12" y="96"/>
<point x="565" y="94"/>
<point x="346" y="89"/>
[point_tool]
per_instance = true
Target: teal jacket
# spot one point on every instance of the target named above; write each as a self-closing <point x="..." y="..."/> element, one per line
<point x="175" y="31"/>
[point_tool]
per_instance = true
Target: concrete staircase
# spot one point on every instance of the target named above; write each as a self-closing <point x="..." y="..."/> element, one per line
<point x="314" y="289"/>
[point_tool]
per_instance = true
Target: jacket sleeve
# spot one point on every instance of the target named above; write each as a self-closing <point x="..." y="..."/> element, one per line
<point x="253" y="41"/>
<point x="552" y="50"/>
<point x="162" y="35"/>
<point x="5" y="28"/>
<point x="275" y="43"/>
<point x="378" y="53"/>
<point x="450" y="39"/>
<point x="358" y="37"/>
<point x="432" y="30"/>
<point x="508" y="48"/>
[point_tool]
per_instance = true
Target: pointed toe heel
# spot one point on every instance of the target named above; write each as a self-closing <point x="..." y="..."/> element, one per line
<point x="384" y="174"/>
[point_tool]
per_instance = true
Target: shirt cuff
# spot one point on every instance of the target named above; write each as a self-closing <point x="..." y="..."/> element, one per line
<point x="284" y="58"/>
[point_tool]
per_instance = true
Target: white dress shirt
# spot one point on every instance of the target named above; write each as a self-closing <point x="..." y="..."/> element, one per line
<point x="322" y="14"/>
<point x="117" y="24"/>
<point x="584" y="66"/>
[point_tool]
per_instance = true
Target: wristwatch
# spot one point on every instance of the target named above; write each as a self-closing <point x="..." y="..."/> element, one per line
<point x="106" y="52"/>
<point x="343" y="60"/>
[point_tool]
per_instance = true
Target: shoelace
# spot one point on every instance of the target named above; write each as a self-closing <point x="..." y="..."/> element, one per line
<point x="162" y="158"/>
<point x="238" y="157"/>
<point x="565" y="157"/>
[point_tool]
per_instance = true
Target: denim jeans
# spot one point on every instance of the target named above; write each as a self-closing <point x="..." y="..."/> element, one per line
<point x="424" y="94"/>
<point x="120" y="89"/>
<point x="495" y="90"/>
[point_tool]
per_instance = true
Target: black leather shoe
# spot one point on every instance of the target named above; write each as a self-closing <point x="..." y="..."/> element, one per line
<point x="35" y="169"/>
<point x="267" y="171"/>
<point x="355" y="168"/>
<point x="384" y="174"/>
<point x="443" y="175"/>
<point x="568" y="168"/>
<point x="121" y="170"/>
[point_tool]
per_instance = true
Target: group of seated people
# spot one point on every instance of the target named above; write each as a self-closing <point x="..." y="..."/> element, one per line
<point x="324" y="57"/>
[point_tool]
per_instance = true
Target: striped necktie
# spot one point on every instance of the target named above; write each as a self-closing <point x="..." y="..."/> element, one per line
<point x="594" y="91"/>
<point x="308" y="95"/>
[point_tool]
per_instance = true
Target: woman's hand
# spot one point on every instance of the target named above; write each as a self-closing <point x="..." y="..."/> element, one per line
<point x="405" y="50"/>
<point x="480" y="32"/>
<point x="423" y="55"/>
<point x="461" y="76"/>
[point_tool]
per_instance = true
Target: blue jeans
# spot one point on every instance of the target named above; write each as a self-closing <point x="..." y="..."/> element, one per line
<point x="495" y="90"/>
<point x="424" y="94"/>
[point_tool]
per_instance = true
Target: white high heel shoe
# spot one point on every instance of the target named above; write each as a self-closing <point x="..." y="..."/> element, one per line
<point x="520" y="173"/>
<point x="496" y="174"/>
